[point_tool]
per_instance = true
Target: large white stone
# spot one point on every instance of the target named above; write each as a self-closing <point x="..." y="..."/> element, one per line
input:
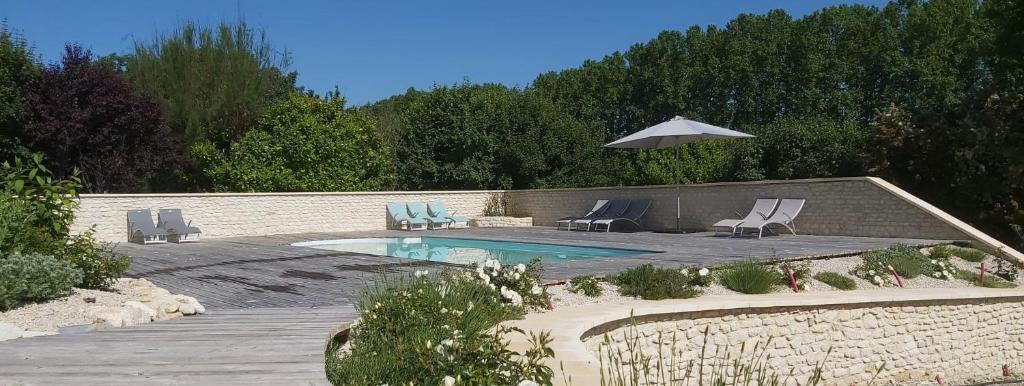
<point x="110" y="317"/>
<point x="10" y="331"/>
<point x="138" y="313"/>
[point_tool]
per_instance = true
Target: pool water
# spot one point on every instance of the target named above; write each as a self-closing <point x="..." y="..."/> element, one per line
<point x="467" y="251"/>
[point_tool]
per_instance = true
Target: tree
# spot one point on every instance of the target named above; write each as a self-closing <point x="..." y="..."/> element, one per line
<point x="85" y="116"/>
<point x="19" y="70"/>
<point x="303" y="143"/>
<point x="212" y="82"/>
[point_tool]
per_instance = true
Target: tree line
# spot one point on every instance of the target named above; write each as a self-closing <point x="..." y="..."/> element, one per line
<point x="925" y="94"/>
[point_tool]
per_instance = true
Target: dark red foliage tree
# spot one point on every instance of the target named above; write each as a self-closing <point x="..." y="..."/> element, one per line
<point x="83" y="114"/>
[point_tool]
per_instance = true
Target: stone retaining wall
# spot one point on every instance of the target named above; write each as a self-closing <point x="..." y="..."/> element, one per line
<point x="254" y="214"/>
<point x="960" y="340"/>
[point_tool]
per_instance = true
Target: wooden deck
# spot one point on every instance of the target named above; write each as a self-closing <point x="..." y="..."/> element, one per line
<point x="279" y="346"/>
<point x="271" y="305"/>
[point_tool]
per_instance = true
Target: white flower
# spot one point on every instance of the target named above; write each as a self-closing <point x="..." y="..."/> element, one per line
<point x="449" y="381"/>
<point x="937" y="274"/>
<point x="535" y="290"/>
<point x="877" y="279"/>
<point x="871" y="272"/>
<point x="421" y="273"/>
<point x="704" y="272"/>
<point x="527" y="382"/>
<point x="934" y="261"/>
<point x="521" y="268"/>
<point x="685" y="271"/>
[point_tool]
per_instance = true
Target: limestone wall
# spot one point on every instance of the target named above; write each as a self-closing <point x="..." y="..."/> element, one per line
<point x="962" y="341"/>
<point x="253" y="214"/>
<point x="835" y="206"/>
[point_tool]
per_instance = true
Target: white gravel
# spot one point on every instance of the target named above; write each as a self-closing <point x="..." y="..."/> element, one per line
<point x="68" y="311"/>
<point x="561" y="297"/>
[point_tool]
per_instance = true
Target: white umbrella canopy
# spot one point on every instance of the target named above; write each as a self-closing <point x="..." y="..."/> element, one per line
<point x="672" y="133"/>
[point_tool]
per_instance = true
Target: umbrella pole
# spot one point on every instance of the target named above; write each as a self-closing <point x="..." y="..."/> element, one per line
<point x="675" y="176"/>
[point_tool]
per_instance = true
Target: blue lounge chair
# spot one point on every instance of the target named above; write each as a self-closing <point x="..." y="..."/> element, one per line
<point x="418" y="210"/>
<point x="438" y="209"/>
<point x="398" y="218"/>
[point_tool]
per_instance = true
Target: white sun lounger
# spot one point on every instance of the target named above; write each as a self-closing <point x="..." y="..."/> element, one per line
<point x="599" y="207"/>
<point x="763" y="208"/>
<point x="785" y="215"/>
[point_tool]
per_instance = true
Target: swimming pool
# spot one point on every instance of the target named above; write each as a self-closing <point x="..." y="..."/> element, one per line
<point x="467" y="251"/>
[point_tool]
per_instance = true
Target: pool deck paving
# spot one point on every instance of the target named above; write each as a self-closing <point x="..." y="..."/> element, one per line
<point x="271" y="305"/>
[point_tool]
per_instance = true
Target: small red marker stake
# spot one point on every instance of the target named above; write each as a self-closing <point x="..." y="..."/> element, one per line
<point x="1006" y="370"/>
<point x="981" y="276"/>
<point x="895" y="274"/>
<point x="792" y="279"/>
<point x="938" y="379"/>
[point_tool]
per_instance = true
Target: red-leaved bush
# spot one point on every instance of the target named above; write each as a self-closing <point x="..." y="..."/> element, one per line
<point x="85" y="115"/>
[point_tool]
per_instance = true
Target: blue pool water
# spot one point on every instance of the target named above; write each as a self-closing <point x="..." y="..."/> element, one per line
<point x="467" y="251"/>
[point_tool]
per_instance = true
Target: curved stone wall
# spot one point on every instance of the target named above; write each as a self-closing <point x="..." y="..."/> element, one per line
<point x="961" y="341"/>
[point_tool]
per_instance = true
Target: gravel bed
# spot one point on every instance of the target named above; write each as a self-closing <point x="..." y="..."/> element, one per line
<point x="561" y="297"/>
<point x="68" y="311"/>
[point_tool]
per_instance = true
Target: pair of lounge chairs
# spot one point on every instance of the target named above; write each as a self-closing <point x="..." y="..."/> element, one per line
<point x="766" y="212"/>
<point x="419" y="216"/>
<point x="170" y="226"/>
<point x="606" y="213"/>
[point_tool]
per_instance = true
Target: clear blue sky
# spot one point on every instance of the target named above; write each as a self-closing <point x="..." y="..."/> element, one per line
<point x="375" y="49"/>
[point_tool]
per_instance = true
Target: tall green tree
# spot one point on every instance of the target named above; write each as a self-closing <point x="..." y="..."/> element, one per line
<point x="19" y="71"/>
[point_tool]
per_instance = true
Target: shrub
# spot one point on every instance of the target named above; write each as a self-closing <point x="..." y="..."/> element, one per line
<point x="750" y="277"/>
<point x="586" y="284"/>
<point x="18" y="230"/>
<point x="518" y="284"/>
<point x="420" y="330"/>
<point x="836" y="280"/>
<point x="98" y="262"/>
<point x="801" y="273"/>
<point x="34" y="277"/>
<point x="969" y="254"/>
<point x="652" y="283"/>
<point x="941" y="252"/>
<point x="1005" y="270"/>
<point x="53" y="201"/>
<point x="698" y="277"/>
<point x="904" y="259"/>
<point x="990" y="280"/>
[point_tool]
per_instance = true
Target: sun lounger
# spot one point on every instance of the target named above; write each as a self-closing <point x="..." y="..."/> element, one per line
<point x="614" y="209"/>
<point x="763" y="208"/>
<point x="398" y="218"/>
<point x="599" y="207"/>
<point x="418" y="210"/>
<point x="141" y="228"/>
<point x="178" y="230"/>
<point x="786" y="213"/>
<point x="636" y="210"/>
<point x="438" y="209"/>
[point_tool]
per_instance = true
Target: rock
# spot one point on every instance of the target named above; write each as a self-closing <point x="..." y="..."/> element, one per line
<point x="200" y="309"/>
<point x="187" y="309"/>
<point x="138" y="313"/>
<point x="10" y="331"/>
<point x="110" y="317"/>
<point x="168" y="304"/>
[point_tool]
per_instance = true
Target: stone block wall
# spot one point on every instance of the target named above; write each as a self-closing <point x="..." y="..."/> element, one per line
<point x="962" y="341"/>
<point x="835" y="206"/>
<point x="253" y="214"/>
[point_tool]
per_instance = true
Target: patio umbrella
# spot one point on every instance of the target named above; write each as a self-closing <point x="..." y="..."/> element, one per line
<point x="673" y="133"/>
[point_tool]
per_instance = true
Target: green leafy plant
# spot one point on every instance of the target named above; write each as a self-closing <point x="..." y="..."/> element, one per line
<point x="801" y="273"/>
<point x="431" y="328"/>
<point x="904" y="259"/>
<point x="1006" y="270"/>
<point x="652" y="283"/>
<point x="53" y="201"/>
<point x="18" y="228"/>
<point x="969" y="254"/>
<point x="991" y="281"/>
<point x="941" y="252"/>
<point x="750" y="277"/>
<point x="34" y="277"/>
<point x="586" y="285"/>
<point x="836" y="280"/>
<point x="97" y="260"/>
<point x="698" y="276"/>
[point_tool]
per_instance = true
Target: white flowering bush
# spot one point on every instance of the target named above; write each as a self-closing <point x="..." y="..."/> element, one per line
<point x="435" y="329"/>
<point x="875" y="272"/>
<point x="697" y="276"/>
<point x="907" y="261"/>
<point x="518" y="284"/>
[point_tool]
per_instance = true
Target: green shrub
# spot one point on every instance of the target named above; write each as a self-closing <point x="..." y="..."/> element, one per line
<point x="18" y="229"/>
<point x="991" y="281"/>
<point x="586" y="285"/>
<point x="419" y="330"/>
<point x="34" y="277"/>
<point x="698" y="276"/>
<point x="750" y="277"/>
<point x="941" y="252"/>
<point x="904" y="259"/>
<point x="1005" y="270"/>
<point x="652" y="283"/>
<point x="98" y="262"/>
<point x="53" y="201"/>
<point x="969" y="254"/>
<point x="519" y="284"/>
<point x="836" y="280"/>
